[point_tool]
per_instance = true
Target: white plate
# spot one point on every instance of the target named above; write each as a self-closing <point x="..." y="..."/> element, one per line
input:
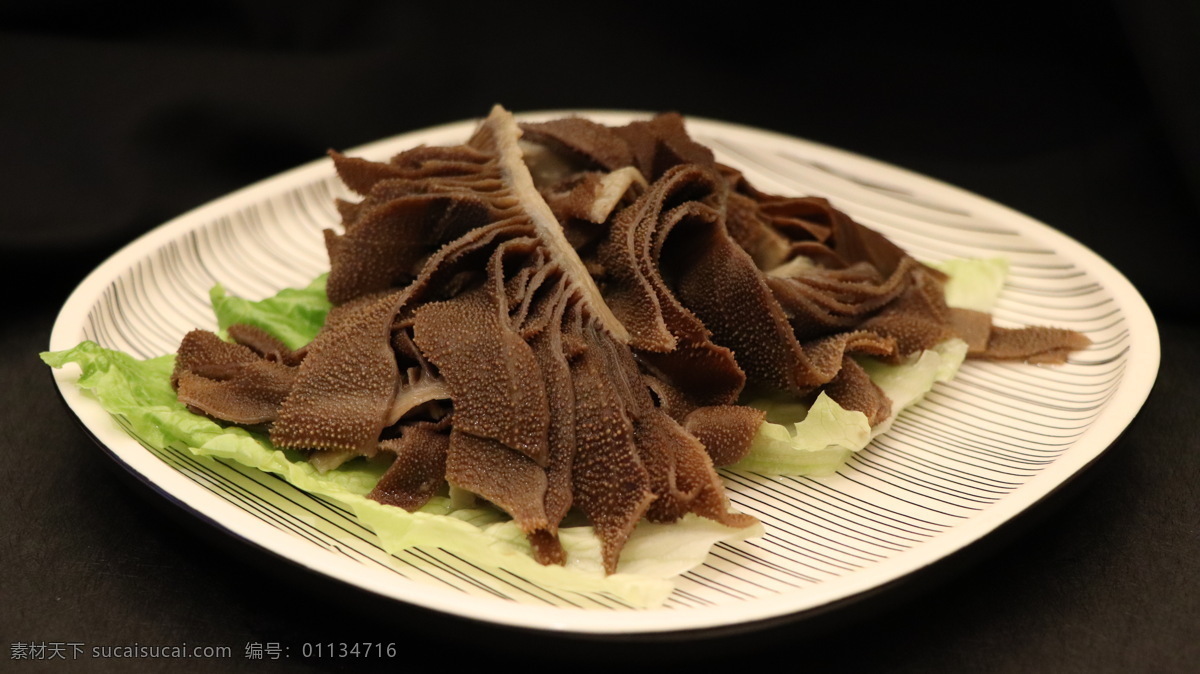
<point x="976" y="453"/>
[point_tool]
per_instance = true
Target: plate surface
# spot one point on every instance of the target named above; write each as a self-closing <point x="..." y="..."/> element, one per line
<point x="974" y="454"/>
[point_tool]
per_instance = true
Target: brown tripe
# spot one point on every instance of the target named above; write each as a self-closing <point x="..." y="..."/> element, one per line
<point x="569" y="322"/>
<point x="549" y="405"/>
<point x="232" y="381"/>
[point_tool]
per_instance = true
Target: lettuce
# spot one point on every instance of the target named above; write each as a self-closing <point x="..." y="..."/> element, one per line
<point x="294" y="316"/>
<point x="974" y="283"/>
<point x="798" y="440"/>
<point x="794" y="439"/>
<point x="804" y="441"/>
<point x="907" y="383"/>
<point x="139" y="392"/>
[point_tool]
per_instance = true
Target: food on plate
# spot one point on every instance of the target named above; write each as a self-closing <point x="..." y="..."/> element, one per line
<point x="572" y="326"/>
<point x="564" y="317"/>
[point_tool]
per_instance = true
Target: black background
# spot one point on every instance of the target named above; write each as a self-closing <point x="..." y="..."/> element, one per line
<point x="1082" y="114"/>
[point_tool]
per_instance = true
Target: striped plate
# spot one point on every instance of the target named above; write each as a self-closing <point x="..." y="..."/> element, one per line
<point x="974" y="454"/>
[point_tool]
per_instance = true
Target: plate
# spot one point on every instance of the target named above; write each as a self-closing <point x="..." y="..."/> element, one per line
<point x="975" y="453"/>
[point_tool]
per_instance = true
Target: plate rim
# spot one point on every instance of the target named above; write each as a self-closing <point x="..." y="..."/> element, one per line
<point x="1141" y="368"/>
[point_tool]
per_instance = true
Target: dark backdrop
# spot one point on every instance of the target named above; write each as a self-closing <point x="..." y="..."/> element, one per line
<point x="1082" y="114"/>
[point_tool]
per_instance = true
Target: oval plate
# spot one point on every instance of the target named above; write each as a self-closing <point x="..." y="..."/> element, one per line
<point x="974" y="454"/>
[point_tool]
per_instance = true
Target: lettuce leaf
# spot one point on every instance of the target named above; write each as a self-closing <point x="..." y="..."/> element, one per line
<point x="805" y="441"/>
<point x="797" y="440"/>
<point x="974" y="283"/>
<point x="907" y="383"/>
<point x="294" y="315"/>
<point x="139" y="391"/>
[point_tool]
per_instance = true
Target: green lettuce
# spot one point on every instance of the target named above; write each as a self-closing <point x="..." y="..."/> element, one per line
<point x="139" y="392"/>
<point x="798" y="440"/>
<point x="974" y="283"/>
<point x="794" y="439"/>
<point x="294" y="315"/>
